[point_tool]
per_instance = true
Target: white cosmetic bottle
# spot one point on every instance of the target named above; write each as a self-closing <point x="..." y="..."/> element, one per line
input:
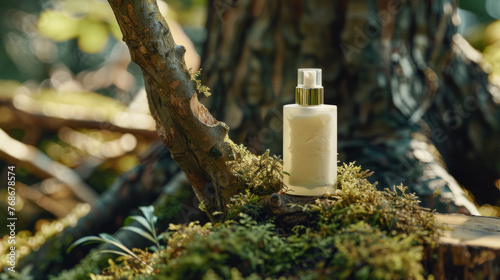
<point x="309" y="139"/>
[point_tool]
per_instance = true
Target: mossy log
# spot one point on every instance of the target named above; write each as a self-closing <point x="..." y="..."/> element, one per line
<point x="468" y="246"/>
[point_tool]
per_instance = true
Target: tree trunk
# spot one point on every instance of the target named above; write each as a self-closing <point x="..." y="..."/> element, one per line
<point x="413" y="100"/>
<point x="469" y="248"/>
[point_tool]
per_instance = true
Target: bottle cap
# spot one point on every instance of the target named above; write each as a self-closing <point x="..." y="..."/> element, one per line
<point x="309" y="90"/>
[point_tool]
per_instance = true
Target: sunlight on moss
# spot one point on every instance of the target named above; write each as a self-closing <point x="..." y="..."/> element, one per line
<point x="261" y="175"/>
<point x="356" y="233"/>
<point x="27" y="242"/>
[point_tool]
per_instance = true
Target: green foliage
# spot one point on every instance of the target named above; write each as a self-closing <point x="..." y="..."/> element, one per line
<point x="109" y="239"/>
<point x="90" y="22"/>
<point x="247" y="203"/>
<point x="24" y="274"/>
<point x="82" y="271"/>
<point x="148" y="221"/>
<point x="246" y="245"/>
<point x="358" y="200"/>
<point x="356" y="233"/>
<point x="133" y="268"/>
<point x="260" y="175"/>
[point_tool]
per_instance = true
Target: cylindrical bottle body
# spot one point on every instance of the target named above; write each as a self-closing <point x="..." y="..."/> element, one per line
<point x="310" y="149"/>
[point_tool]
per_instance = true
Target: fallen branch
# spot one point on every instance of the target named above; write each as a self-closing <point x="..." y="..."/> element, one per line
<point x="46" y="202"/>
<point x="125" y="122"/>
<point x="43" y="166"/>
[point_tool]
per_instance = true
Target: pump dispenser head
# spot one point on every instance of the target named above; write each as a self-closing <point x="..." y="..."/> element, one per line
<point x="309" y="90"/>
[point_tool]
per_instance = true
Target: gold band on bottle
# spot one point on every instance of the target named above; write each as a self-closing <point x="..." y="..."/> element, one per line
<point x="309" y="96"/>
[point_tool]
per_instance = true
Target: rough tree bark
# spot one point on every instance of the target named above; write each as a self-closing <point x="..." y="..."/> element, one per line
<point x="197" y="141"/>
<point x="413" y="99"/>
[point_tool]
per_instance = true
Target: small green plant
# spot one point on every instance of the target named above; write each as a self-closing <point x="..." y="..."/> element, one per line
<point x="148" y="221"/>
<point x="106" y="238"/>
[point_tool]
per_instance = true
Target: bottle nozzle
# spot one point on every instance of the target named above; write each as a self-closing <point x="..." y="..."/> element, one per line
<point x="309" y="90"/>
<point x="309" y="78"/>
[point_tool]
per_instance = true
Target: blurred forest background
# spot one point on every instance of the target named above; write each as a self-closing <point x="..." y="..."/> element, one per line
<point x="73" y="111"/>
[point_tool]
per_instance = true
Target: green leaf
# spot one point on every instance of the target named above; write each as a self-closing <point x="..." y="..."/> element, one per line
<point x="109" y="237"/>
<point x="87" y="240"/>
<point x="111" y="240"/>
<point x="115" y="252"/>
<point x="141" y="220"/>
<point x="148" y="212"/>
<point x="141" y="232"/>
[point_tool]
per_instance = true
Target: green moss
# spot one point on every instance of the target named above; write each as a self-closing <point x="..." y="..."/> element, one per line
<point x="356" y="233"/>
<point x="260" y="175"/>
<point x="170" y="206"/>
<point x="247" y="203"/>
<point x="89" y="265"/>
